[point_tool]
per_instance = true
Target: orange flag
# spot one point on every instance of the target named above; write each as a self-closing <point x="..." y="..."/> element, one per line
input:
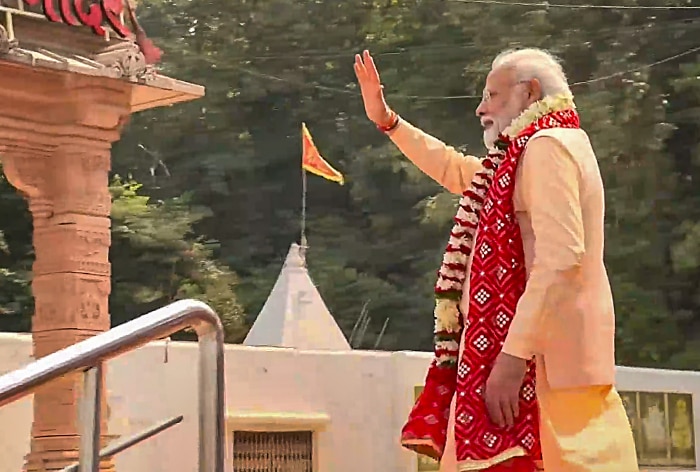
<point x="312" y="161"/>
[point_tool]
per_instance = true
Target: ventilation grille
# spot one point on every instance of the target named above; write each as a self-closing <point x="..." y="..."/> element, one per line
<point x="272" y="452"/>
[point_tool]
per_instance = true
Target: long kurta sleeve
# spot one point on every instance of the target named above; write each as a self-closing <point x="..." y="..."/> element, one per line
<point x="448" y="167"/>
<point x="550" y="189"/>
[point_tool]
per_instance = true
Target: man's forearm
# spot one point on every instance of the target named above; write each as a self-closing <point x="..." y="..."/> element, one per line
<point x="448" y="167"/>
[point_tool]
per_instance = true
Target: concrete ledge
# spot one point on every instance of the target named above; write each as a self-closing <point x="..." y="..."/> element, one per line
<point x="276" y="421"/>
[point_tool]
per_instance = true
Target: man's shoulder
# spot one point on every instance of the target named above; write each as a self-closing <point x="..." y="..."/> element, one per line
<point x="570" y="144"/>
<point x="561" y="133"/>
<point x="574" y="141"/>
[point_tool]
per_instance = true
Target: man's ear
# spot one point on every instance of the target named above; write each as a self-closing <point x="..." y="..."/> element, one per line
<point x="535" y="90"/>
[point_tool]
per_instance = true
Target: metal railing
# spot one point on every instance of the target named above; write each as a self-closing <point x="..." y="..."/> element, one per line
<point x="89" y="356"/>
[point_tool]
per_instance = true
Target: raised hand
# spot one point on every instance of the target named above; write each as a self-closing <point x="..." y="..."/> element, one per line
<point x="372" y="90"/>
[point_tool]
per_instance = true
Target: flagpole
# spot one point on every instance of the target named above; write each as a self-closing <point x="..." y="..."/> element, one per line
<point x="312" y="160"/>
<point x="303" y="242"/>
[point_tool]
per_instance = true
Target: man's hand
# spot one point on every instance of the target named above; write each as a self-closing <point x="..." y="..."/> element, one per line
<point x="372" y="94"/>
<point x="503" y="389"/>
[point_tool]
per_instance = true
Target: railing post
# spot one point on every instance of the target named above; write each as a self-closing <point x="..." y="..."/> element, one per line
<point x="211" y="400"/>
<point x="90" y="416"/>
<point x="98" y="349"/>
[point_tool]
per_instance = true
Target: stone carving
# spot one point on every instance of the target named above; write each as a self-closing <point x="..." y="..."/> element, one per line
<point x="90" y="307"/>
<point x="90" y="238"/>
<point x="26" y="174"/>
<point x="6" y="44"/>
<point x="93" y="298"/>
<point x="46" y="310"/>
<point x="70" y="301"/>
<point x="99" y="205"/>
<point x="72" y="247"/>
<point x="130" y="63"/>
<point x="96" y="162"/>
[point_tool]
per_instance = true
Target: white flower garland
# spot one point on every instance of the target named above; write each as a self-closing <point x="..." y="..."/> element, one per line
<point x="454" y="268"/>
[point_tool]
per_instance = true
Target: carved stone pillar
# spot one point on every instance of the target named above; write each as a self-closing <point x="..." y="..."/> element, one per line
<point x="55" y="149"/>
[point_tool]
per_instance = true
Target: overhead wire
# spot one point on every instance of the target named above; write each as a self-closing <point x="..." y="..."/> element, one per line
<point x="579" y="6"/>
<point x="400" y="51"/>
<point x="462" y="97"/>
<point x="658" y="27"/>
<point x="640" y="68"/>
<point x="323" y="54"/>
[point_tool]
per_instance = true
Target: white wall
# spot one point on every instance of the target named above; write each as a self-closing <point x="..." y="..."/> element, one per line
<point x="358" y="399"/>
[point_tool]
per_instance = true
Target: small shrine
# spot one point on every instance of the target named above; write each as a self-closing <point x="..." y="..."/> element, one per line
<point x="71" y="74"/>
<point x="295" y="315"/>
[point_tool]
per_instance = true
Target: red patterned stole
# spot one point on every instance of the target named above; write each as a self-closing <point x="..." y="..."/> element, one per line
<point x="497" y="281"/>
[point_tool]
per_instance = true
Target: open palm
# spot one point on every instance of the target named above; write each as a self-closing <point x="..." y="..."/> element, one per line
<point x="372" y="91"/>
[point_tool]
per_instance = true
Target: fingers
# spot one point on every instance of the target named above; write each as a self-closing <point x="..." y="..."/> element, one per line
<point x="359" y="67"/>
<point x="372" y="72"/>
<point x="365" y="69"/>
<point x="493" y="406"/>
<point x="358" y="73"/>
<point x="507" y="413"/>
<point x="515" y="406"/>
<point x="503" y="410"/>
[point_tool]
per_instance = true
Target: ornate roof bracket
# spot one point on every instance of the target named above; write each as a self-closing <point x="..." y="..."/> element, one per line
<point x="27" y="39"/>
<point x="88" y="37"/>
<point x="6" y="44"/>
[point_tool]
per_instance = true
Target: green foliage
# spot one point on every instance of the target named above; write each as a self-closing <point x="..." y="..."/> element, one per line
<point x="156" y="259"/>
<point x="16" y="301"/>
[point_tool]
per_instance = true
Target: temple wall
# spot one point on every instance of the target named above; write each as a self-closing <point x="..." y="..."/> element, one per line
<point x="355" y="402"/>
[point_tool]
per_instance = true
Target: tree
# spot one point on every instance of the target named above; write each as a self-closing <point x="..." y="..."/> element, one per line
<point x="16" y="302"/>
<point x="156" y="259"/>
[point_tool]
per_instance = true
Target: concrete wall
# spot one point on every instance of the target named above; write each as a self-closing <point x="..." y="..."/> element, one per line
<point x="357" y="402"/>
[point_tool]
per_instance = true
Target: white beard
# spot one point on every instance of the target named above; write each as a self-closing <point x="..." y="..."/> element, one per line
<point x="500" y="123"/>
<point x="491" y="135"/>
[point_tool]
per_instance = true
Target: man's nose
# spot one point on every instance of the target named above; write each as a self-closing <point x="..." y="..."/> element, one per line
<point x="481" y="109"/>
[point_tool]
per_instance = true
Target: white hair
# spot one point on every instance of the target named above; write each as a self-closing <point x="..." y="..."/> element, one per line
<point x="532" y="63"/>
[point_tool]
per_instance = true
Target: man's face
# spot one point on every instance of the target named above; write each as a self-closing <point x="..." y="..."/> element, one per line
<point x="504" y="99"/>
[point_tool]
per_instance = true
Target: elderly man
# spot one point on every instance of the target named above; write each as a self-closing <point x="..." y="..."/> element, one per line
<point x="522" y="291"/>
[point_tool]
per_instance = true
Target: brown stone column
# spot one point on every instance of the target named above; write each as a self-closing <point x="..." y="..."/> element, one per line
<point x="55" y="141"/>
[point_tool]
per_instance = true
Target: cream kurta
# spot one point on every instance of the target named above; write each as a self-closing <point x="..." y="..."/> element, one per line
<point x="565" y="317"/>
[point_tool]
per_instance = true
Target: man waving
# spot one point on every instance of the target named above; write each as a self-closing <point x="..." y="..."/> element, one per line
<point x="522" y="291"/>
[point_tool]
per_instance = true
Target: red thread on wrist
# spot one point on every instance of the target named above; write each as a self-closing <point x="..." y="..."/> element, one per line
<point x="393" y="123"/>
